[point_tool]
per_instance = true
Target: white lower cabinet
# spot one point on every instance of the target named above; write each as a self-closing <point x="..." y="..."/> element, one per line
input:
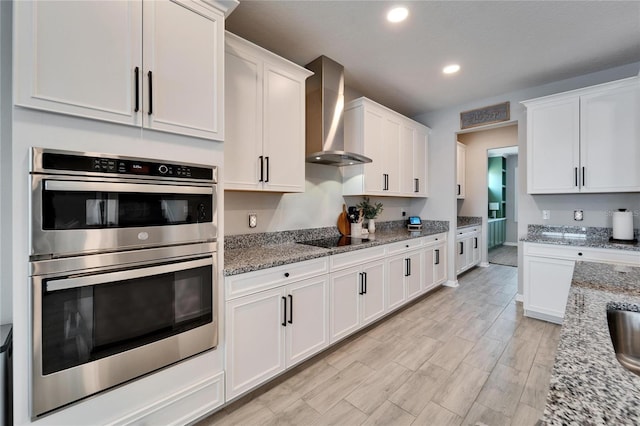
<point x="467" y="248"/>
<point x="272" y="330"/>
<point x="435" y="263"/>
<point x="356" y="298"/>
<point x="547" y="274"/>
<point x="278" y="317"/>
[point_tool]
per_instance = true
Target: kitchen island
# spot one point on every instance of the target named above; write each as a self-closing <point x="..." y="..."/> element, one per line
<point x="588" y="385"/>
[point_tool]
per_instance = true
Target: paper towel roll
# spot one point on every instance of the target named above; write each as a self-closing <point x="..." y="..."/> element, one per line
<point x="623" y="225"/>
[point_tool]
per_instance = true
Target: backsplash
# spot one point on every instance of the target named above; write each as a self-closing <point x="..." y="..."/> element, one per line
<point x="589" y="231"/>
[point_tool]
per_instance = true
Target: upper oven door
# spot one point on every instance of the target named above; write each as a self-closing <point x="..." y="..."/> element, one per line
<point x="75" y="215"/>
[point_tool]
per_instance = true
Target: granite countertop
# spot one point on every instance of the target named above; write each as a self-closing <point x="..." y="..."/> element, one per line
<point x="467" y="221"/>
<point x="588" y="385"/>
<point x="575" y="236"/>
<point x="247" y="259"/>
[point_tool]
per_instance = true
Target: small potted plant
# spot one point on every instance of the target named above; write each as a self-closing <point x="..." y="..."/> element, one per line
<point x="370" y="211"/>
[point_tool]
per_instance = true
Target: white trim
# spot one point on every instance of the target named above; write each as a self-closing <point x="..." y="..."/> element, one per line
<point x="510" y="244"/>
<point x="484" y="264"/>
<point x="451" y="283"/>
<point x="519" y="298"/>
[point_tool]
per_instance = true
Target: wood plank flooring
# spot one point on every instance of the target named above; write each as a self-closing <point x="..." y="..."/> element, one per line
<point x="460" y="356"/>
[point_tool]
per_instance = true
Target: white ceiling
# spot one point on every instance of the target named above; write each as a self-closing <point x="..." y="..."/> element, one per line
<point x="501" y="45"/>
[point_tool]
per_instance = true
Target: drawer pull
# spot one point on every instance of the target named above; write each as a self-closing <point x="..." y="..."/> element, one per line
<point x="580" y="254"/>
<point x="286" y="275"/>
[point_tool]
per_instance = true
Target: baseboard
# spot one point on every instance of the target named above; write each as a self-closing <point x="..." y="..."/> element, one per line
<point x="451" y="283"/>
<point x="519" y="298"/>
<point x="183" y="407"/>
<point x="510" y="244"/>
<point x="484" y="264"/>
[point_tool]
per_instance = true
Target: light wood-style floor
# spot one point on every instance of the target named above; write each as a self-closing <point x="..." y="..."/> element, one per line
<point x="461" y="355"/>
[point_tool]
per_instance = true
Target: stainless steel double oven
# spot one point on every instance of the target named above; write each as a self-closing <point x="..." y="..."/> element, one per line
<point x="123" y="270"/>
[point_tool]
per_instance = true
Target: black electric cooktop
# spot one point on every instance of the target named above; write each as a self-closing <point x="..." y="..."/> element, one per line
<point x="335" y="242"/>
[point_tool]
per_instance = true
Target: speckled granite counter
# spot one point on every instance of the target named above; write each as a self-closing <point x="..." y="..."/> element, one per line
<point x="464" y="221"/>
<point x="575" y="236"/>
<point x="240" y="257"/>
<point x="588" y="386"/>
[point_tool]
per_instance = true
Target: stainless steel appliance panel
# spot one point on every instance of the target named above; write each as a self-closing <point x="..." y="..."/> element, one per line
<point x="123" y="352"/>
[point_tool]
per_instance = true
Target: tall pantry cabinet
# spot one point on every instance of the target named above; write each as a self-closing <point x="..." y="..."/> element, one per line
<point x="124" y="62"/>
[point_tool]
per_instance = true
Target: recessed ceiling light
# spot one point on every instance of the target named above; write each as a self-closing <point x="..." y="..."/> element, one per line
<point x="450" y="69"/>
<point x="397" y="14"/>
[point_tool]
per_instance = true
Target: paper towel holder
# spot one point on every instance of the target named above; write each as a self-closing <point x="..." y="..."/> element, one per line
<point x="632" y="240"/>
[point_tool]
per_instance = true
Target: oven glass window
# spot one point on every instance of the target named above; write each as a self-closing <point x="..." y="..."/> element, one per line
<point x="87" y="323"/>
<point x="63" y="210"/>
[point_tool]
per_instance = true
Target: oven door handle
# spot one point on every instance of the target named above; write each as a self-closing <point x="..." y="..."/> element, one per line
<point x="73" y="185"/>
<point x="110" y="277"/>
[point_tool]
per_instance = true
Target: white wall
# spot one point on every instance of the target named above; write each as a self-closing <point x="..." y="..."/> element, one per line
<point x="446" y="123"/>
<point x="5" y="161"/>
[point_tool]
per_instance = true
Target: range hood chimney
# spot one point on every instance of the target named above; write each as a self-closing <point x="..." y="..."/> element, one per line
<point x="324" y="109"/>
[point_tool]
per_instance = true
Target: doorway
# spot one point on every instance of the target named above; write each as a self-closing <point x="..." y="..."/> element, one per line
<point x="502" y="166"/>
<point x="479" y="145"/>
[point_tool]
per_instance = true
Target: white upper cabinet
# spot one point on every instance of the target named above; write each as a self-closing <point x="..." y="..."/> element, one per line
<point x="414" y="141"/>
<point x="461" y="170"/>
<point x="153" y="64"/>
<point x="587" y="140"/>
<point x="397" y="145"/>
<point x="265" y="119"/>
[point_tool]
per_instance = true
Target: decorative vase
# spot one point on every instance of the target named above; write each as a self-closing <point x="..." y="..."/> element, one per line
<point x="372" y="226"/>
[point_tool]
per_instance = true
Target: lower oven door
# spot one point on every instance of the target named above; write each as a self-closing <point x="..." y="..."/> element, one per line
<point x="95" y="328"/>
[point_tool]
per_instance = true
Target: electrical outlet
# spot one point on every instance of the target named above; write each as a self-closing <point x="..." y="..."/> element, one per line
<point x="546" y="214"/>
<point x="578" y="215"/>
<point x="253" y="220"/>
<point x="404" y="213"/>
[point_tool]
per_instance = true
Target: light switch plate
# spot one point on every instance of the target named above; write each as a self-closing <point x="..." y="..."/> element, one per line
<point x="253" y="220"/>
<point x="546" y="214"/>
<point x="577" y="215"/>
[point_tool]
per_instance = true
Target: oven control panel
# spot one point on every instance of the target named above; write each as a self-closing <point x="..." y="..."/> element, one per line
<point x="123" y="166"/>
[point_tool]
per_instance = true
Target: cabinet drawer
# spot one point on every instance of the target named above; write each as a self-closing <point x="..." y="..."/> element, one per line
<point x="252" y="282"/>
<point x="356" y="257"/>
<point x="582" y="253"/>
<point x="405" y="245"/>
<point x="434" y="239"/>
<point x="467" y="232"/>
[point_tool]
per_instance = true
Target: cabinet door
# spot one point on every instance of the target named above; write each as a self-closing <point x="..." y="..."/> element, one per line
<point x="474" y="246"/>
<point x="255" y="340"/>
<point x="429" y="269"/>
<point x="610" y="140"/>
<point x="553" y="147"/>
<point x="307" y="329"/>
<point x="414" y="276"/>
<point x="420" y="163"/>
<point x="546" y="284"/>
<point x="374" y="172"/>
<point x="440" y="263"/>
<point x="407" y="136"/>
<point x="461" y="164"/>
<point x="396" y="273"/>
<point x="79" y="58"/>
<point x="462" y="247"/>
<point x="373" y="298"/>
<point x="391" y="156"/>
<point x="284" y="118"/>
<point x="243" y="119"/>
<point x="183" y="48"/>
<point x="344" y="305"/>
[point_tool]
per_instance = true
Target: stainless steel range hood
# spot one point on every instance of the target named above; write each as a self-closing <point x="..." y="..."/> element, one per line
<point x="324" y="109"/>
